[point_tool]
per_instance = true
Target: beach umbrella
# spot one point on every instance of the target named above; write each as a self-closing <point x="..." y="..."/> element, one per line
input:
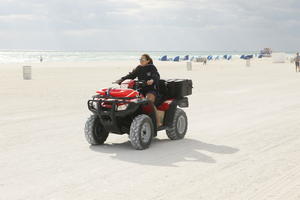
<point x="186" y="57"/>
<point x="164" y="58"/>
<point x="249" y="56"/>
<point x="176" y="59"/>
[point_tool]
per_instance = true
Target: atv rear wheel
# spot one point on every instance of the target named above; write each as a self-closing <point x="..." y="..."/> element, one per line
<point x="95" y="133"/>
<point x="141" y="132"/>
<point x="179" y="125"/>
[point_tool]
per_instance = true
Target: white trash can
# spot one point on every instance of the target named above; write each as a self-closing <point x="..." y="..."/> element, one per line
<point x="189" y="66"/>
<point x="27" y="72"/>
<point x="248" y="62"/>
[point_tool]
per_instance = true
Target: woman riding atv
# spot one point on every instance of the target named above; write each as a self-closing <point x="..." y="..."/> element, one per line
<point x="148" y="73"/>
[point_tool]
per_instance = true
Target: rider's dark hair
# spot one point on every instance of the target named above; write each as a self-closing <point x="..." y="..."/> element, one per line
<point x="148" y="58"/>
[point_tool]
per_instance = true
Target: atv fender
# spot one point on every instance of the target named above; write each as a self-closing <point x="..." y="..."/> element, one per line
<point x="169" y="115"/>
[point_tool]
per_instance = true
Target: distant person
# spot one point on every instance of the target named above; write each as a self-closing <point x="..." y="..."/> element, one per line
<point x="297" y="62"/>
<point x="41" y="59"/>
<point x="204" y="61"/>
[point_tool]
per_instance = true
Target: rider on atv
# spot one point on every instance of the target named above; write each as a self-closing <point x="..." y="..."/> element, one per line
<point x="138" y="105"/>
<point x="147" y="72"/>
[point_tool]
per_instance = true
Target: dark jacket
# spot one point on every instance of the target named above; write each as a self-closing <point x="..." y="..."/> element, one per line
<point x="145" y="73"/>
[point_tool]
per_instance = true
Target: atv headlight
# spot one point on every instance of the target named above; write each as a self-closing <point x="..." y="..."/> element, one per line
<point x="122" y="107"/>
<point x="95" y="105"/>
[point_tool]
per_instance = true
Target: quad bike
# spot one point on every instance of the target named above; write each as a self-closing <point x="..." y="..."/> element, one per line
<point x="125" y="110"/>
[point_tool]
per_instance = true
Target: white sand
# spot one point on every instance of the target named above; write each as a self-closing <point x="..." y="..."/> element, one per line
<point x="243" y="140"/>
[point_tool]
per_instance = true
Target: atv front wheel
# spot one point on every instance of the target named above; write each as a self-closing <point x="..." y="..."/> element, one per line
<point x="95" y="133"/>
<point x="141" y="132"/>
<point x="179" y="125"/>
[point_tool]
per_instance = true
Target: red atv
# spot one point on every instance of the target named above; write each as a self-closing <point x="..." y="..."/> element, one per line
<point x="125" y="111"/>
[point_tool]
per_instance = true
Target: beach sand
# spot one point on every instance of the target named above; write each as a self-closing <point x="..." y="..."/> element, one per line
<point x="243" y="140"/>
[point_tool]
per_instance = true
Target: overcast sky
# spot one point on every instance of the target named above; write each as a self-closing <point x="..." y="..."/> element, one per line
<point x="150" y="24"/>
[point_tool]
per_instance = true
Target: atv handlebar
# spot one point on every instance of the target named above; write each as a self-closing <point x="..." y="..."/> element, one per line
<point x="138" y="84"/>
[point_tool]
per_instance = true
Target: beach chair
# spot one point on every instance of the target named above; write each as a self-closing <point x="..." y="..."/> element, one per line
<point x="225" y="57"/>
<point x="229" y="57"/>
<point x="242" y="57"/>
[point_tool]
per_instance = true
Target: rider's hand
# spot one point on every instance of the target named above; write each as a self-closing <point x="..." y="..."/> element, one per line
<point x="150" y="82"/>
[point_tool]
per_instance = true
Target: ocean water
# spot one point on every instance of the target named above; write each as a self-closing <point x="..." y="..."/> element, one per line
<point x="90" y="56"/>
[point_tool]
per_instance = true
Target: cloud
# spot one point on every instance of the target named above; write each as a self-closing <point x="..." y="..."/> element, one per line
<point x="18" y="17"/>
<point x="150" y="24"/>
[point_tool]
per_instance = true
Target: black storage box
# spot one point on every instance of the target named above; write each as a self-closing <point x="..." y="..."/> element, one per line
<point x="179" y="88"/>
